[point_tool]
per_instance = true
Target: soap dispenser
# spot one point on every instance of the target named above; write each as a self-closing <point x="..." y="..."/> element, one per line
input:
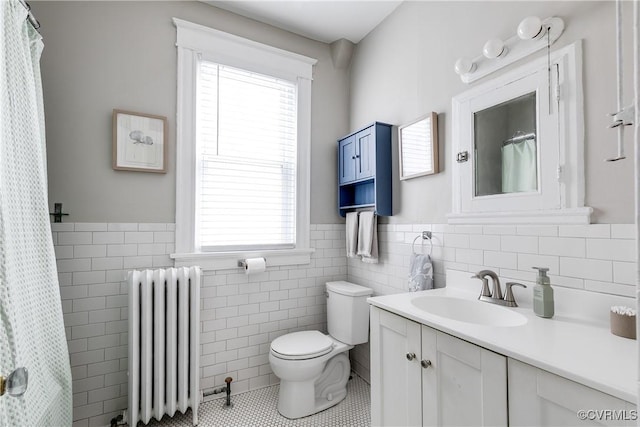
<point x="543" y="294"/>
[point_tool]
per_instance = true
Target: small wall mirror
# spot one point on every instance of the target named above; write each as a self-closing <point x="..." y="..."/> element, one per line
<point x="418" y="147"/>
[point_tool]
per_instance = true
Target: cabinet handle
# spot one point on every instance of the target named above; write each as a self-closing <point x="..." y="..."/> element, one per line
<point x="353" y="157"/>
<point x="425" y="363"/>
<point x="411" y="356"/>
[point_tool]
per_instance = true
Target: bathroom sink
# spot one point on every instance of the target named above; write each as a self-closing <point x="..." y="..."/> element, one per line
<point x="469" y="311"/>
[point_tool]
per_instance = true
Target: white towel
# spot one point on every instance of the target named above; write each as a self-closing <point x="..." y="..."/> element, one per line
<point x="352" y="234"/>
<point x="368" y="237"/>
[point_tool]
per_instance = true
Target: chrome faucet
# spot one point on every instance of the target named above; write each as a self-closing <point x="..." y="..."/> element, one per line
<point x="495" y="296"/>
<point x="497" y="291"/>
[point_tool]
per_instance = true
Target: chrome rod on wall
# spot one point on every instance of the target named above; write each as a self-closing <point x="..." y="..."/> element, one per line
<point x="636" y="102"/>
<point x="623" y="116"/>
<point x="32" y="19"/>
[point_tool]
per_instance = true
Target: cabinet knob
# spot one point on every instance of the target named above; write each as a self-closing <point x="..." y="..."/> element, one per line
<point x="425" y="363"/>
<point x="353" y="157"/>
<point x="411" y="356"/>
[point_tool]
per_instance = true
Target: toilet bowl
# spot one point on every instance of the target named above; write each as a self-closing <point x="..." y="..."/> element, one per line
<point x="313" y="382"/>
<point x="313" y="367"/>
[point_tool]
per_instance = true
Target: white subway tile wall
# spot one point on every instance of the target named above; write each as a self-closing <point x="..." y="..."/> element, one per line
<point x="596" y="258"/>
<point x="240" y="314"/>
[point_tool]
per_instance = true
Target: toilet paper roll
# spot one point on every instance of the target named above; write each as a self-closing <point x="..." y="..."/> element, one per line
<point x="255" y="265"/>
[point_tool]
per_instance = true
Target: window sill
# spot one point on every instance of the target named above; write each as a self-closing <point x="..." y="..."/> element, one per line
<point x="229" y="260"/>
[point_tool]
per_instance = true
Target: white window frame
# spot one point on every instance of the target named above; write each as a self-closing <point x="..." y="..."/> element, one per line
<point x="561" y="195"/>
<point x="196" y="42"/>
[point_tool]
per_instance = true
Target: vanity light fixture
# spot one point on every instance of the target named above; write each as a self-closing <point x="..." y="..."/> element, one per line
<point x="532" y="35"/>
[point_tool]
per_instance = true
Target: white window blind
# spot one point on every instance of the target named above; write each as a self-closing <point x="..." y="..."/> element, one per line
<point x="247" y="139"/>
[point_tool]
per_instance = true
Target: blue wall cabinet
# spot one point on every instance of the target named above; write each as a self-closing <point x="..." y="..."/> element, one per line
<point x="364" y="170"/>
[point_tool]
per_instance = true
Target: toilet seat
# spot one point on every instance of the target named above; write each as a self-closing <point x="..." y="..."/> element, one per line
<point x="301" y="345"/>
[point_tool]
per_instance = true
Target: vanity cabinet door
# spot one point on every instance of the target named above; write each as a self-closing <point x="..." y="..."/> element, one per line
<point x="540" y="398"/>
<point x="395" y="380"/>
<point x="464" y="385"/>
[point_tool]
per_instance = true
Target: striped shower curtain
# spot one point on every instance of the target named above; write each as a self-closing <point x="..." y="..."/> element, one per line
<point x="32" y="332"/>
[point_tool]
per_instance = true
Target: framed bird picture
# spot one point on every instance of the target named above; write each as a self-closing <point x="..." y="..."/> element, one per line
<point x="139" y="142"/>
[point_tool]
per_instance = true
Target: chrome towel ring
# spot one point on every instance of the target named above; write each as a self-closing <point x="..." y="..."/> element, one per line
<point x="426" y="235"/>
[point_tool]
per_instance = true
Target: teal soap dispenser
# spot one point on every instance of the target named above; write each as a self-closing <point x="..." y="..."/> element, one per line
<point x="543" y="304"/>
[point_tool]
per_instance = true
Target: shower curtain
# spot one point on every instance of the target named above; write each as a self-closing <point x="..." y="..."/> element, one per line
<point x="31" y="325"/>
<point x="519" y="166"/>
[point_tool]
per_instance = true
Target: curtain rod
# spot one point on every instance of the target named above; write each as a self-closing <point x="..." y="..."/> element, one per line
<point x="32" y="19"/>
<point x="519" y="138"/>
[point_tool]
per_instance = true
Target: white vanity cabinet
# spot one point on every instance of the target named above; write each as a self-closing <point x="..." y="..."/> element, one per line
<point x="540" y="398"/>
<point x="423" y="377"/>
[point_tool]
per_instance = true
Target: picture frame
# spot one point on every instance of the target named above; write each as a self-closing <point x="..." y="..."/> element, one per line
<point x="418" y="147"/>
<point x="139" y="142"/>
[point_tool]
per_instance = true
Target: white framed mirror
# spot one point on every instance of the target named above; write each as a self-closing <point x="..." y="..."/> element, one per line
<point x="418" y="147"/>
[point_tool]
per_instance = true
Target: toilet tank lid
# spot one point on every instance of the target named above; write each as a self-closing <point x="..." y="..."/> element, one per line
<point x="347" y="288"/>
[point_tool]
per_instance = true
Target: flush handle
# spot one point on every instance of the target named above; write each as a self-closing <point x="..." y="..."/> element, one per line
<point x="425" y="363"/>
<point x="411" y="356"/>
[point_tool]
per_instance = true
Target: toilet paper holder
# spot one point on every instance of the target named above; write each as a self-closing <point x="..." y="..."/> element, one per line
<point x="242" y="263"/>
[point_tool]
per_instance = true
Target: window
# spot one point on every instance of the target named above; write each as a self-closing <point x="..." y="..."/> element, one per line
<point x="242" y="185"/>
<point x="247" y="136"/>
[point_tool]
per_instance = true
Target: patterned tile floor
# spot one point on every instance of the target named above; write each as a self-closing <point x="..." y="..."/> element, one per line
<point x="257" y="408"/>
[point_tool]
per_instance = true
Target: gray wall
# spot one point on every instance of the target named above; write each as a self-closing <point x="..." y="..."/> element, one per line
<point x="404" y="68"/>
<point x="104" y="55"/>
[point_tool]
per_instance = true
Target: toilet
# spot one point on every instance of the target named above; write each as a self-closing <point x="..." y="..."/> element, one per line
<point x="313" y="367"/>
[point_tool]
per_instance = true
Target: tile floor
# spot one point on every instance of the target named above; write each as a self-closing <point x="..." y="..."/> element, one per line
<point x="258" y="408"/>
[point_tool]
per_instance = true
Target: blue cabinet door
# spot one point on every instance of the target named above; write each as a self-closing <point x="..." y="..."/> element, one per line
<point x="347" y="160"/>
<point x="365" y="153"/>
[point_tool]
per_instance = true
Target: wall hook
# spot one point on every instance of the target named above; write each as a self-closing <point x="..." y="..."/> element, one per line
<point x="57" y="213"/>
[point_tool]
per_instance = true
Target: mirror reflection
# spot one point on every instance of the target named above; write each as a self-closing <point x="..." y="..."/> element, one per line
<point x="419" y="147"/>
<point x="505" y="147"/>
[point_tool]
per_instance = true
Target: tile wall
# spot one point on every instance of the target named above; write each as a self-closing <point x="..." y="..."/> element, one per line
<point x="593" y="258"/>
<point x="240" y="314"/>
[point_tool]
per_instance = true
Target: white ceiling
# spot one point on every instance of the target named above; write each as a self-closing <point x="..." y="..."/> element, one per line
<point x="322" y="20"/>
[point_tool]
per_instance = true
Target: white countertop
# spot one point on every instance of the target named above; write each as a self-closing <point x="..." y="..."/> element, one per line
<point x="582" y="351"/>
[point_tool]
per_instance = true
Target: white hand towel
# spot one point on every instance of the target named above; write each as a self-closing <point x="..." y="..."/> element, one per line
<point x="352" y="234"/>
<point x="368" y="237"/>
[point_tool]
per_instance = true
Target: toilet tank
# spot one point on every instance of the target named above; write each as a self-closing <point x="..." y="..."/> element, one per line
<point x="348" y="312"/>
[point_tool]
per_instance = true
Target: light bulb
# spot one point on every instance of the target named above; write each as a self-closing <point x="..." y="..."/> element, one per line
<point x="494" y="48"/>
<point x="464" y="66"/>
<point x="530" y="28"/>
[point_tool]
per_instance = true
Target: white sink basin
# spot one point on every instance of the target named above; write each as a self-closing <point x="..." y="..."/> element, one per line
<point x="469" y="311"/>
